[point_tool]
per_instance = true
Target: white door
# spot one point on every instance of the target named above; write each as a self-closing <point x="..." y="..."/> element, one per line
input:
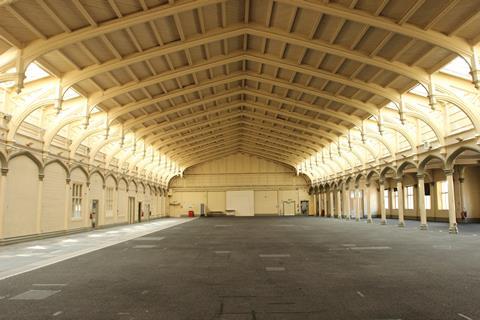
<point x="289" y="208"/>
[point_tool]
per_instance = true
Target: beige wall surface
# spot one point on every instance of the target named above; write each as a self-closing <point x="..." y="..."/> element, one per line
<point x="267" y="179"/>
<point x="216" y="201"/>
<point x="21" y="198"/>
<point x="54" y="210"/>
<point x="39" y="200"/>
<point x="266" y="202"/>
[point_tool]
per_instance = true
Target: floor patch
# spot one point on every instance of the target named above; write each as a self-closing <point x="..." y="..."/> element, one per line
<point x="149" y="239"/>
<point x="283" y="255"/>
<point x="222" y="252"/>
<point x="35" y="295"/>
<point x="370" y="248"/>
<point x="144" y="246"/>
<point x="274" y="269"/>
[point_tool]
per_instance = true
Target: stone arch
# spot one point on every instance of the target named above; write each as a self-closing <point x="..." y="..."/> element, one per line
<point x="404" y="165"/>
<point x="427" y="159"/>
<point x="132" y="181"/>
<point x="111" y="175"/>
<point x="3" y="161"/>
<point x="359" y="176"/>
<point x="371" y="174"/>
<point x="29" y="155"/>
<point x="451" y="158"/>
<point x="60" y="163"/>
<point x="81" y="168"/>
<point x="100" y="174"/>
<point x="385" y="170"/>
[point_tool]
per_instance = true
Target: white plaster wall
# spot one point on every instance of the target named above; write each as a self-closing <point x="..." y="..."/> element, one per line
<point x="53" y="198"/>
<point x="21" y="198"/>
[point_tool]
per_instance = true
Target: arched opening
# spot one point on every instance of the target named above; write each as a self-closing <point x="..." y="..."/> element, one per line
<point x="465" y="163"/>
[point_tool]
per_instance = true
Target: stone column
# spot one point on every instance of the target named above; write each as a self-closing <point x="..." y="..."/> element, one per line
<point x="421" y="201"/>
<point x="367" y="203"/>
<point x="339" y="206"/>
<point x="383" y="214"/>
<point x="39" y="203"/>
<point x="347" y="203"/>
<point x="67" y="204"/>
<point x="332" y="211"/>
<point x="3" y="187"/>
<point x="324" y="202"/>
<point x="357" y="204"/>
<point x="401" y="204"/>
<point x="452" y="218"/>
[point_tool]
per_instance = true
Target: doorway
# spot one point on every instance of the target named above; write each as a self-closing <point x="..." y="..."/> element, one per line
<point x="94" y="213"/>
<point x="131" y="209"/>
<point x="289" y="208"/>
<point x="140" y="211"/>
<point x="304" y="207"/>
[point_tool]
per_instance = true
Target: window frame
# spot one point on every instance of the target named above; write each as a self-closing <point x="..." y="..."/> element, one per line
<point x="77" y="201"/>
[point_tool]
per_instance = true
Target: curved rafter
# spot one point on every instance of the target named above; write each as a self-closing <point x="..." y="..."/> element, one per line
<point x="160" y="92"/>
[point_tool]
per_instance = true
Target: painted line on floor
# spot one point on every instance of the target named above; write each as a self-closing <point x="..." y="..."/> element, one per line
<point x="349" y="245"/>
<point x="464" y="316"/>
<point x="35" y="294"/>
<point x="49" y="284"/>
<point x="145" y="246"/>
<point x="370" y="248"/>
<point x="57" y="313"/>
<point x="360" y="294"/>
<point x="41" y="264"/>
<point x="222" y="252"/>
<point x="274" y="269"/>
<point x="222" y="225"/>
<point x="281" y="255"/>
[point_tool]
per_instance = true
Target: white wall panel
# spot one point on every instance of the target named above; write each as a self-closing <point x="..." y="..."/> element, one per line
<point x="122" y="201"/>
<point x="216" y="201"/>
<point x="53" y="198"/>
<point x="21" y="198"/>
<point x="96" y="193"/>
<point x="266" y="202"/>
<point x="242" y="201"/>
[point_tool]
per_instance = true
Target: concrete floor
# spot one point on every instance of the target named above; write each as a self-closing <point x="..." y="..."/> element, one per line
<point x="260" y="268"/>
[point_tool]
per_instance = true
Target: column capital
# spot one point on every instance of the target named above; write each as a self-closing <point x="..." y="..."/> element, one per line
<point x="367" y="184"/>
<point x="41" y="176"/>
<point x="4" y="171"/>
<point x="448" y="172"/>
<point x="381" y="181"/>
<point x="420" y="176"/>
<point x="461" y="180"/>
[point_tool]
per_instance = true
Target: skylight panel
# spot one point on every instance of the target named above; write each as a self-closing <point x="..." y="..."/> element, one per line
<point x="458" y="68"/>
<point x="70" y="94"/>
<point x="34" y="72"/>
<point x="419" y="90"/>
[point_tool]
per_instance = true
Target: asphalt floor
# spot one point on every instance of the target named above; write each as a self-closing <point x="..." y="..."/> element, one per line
<point x="260" y="268"/>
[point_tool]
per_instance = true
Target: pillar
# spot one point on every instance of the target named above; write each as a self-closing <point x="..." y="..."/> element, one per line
<point x="357" y="204"/>
<point x="67" y="204"/>
<point x="39" y="203"/>
<point x="347" y="203"/>
<point x="325" y="207"/>
<point x="367" y="203"/>
<point x="3" y="187"/>
<point x="331" y="209"/>
<point x="383" y="215"/>
<point x="421" y="201"/>
<point x="339" y="206"/>
<point x="461" y="199"/>
<point x="452" y="218"/>
<point x="401" y="204"/>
